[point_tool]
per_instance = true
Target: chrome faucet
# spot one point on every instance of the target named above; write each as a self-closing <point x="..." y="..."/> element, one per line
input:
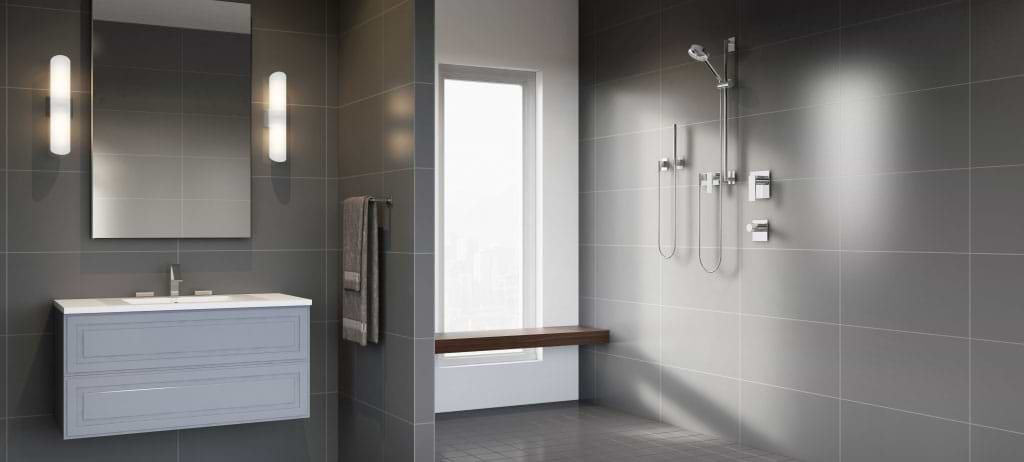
<point x="175" y="279"/>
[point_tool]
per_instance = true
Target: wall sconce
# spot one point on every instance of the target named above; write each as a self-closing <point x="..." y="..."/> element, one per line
<point x="277" y="117"/>
<point x="59" y="107"/>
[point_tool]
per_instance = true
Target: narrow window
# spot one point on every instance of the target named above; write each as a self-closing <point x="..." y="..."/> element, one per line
<point x="488" y="226"/>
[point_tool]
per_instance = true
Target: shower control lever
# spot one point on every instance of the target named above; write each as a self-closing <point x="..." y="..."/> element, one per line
<point x="758" y="230"/>
<point x="759" y="185"/>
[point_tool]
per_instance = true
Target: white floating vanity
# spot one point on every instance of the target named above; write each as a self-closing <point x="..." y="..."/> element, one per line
<point x="131" y="365"/>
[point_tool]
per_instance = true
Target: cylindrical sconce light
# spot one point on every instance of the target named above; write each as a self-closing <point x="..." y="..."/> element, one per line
<point x="277" y="117"/>
<point x="60" y="105"/>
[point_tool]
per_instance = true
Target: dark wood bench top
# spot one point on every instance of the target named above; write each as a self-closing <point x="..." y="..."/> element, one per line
<point x="487" y="340"/>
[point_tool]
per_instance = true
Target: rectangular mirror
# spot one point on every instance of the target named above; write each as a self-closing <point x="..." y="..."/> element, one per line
<point x="171" y="104"/>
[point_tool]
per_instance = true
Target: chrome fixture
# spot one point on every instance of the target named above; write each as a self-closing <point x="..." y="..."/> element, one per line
<point x="698" y="53"/>
<point x="673" y="166"/>
<point x="277" y="117"/>
<point x="144" y="294"/>
<point x="175" y="280"/>
<point x="758" y="230"/>
<point x="202" y="293"/>
<point x="58" y="107"/>
<point x="759" y="185"/>
<point x="711" y="180"/>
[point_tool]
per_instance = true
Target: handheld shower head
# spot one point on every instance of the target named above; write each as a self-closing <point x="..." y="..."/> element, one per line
<point x="697" y="53"/>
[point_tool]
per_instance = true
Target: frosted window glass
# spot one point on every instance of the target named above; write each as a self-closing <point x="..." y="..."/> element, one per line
<point x="483" y="206"/>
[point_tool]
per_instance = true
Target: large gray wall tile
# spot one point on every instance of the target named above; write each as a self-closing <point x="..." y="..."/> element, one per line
<point x="996" y="110"/>
<point x="626" y="161"/>
<point x="792" y="354"/>
<point x="994" y="34"/>
<point x="700" y="402"/>
<point x="997" y="286"/>
<point x="997" y="377"/>
<point x="918" y="292"/>
<point x="787" y="422"/>
<point x="628" y="217"/>
<point x="801" y="73"/>
<point x="288" y="213"/>
<point x="767" y="23"/>
<point x="874" y="434"/>
<point x="791" y="284"/>
<point x="926" y="130"/>
<point x="995" y="193"/>
<point x="629" y="49"/>
<point x="30" y="375"/>
<point x="377" y="55"/>
<point x="301" y="56"/>
<point x="629" y="385"/>
<point x="991" y="445"/>
<point x="701" y="340"/>
<point x="920" y="373"/>
<point x="300" y="440"/>
<point x="628" y="274"/>
<point x="367" y="434"/>
<point x="910" y="212"/>
<point x="792" y="144"/>
<point x="924" y="49"/>
<point x="635" y="329"/>
<point x="36" y="34"/>
<point x="684" y="283"/>
<point x="628" y="105"/>
<point x="40" y="439"/>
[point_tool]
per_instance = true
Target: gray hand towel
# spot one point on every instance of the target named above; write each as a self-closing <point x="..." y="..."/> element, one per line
<point x="360" y="298"/>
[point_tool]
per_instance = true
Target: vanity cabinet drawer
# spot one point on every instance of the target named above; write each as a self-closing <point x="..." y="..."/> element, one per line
<point x="114" y="404"/>
<point x="120" y="342"/>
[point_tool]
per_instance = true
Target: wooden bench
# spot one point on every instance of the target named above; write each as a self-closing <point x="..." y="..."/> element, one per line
<point x="510" y="339"/>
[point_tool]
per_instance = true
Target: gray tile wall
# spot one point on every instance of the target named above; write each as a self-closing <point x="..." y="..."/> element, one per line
<point x="883" y="320"/>
<point x="385" y="144"/>
<point x="46" y="251"/>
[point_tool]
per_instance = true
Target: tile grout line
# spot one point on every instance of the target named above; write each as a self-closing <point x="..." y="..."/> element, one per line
<point x="739" y="308"/>
<point x="661" y="263"/>
<point x="842" y="223"/>
<point x="807" y="321"/>
<point x="970" y="231"/>
<point x="7" y="344"/>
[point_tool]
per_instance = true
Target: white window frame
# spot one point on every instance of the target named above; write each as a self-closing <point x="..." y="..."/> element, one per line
<point x="531" y="307"/>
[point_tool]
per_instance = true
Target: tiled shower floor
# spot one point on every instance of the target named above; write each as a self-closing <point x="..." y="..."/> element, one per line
<point x="577" y="432"/>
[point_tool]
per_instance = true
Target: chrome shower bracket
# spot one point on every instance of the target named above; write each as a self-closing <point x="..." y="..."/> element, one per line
<point x="710" y="180"/>
<point x="664" y="164"/>
<point x="730" y="177"/>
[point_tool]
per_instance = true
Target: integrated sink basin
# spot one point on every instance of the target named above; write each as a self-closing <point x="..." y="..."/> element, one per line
<point x="186" y="299"/>
<point x="190" y="302"/>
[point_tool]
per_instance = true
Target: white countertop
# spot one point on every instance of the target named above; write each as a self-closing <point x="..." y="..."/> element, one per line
<point x="183" y="303"/>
